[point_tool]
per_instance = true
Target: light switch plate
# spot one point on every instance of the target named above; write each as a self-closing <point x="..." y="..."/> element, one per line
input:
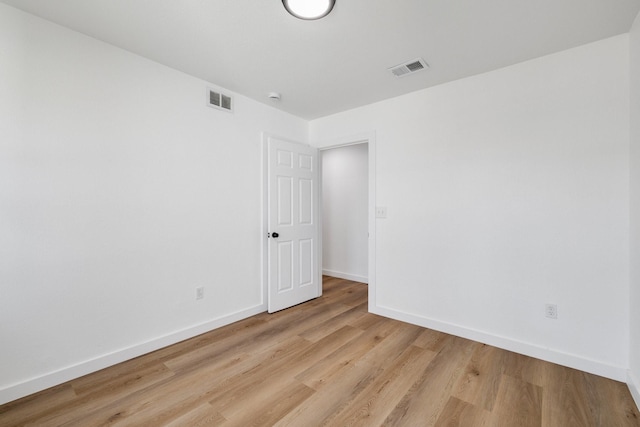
<point x="381" y="211"/>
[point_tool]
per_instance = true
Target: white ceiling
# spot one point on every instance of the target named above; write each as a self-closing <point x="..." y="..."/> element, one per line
<point x="322" y="67"/>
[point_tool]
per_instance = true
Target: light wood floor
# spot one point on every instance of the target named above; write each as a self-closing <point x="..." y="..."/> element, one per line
<point x="329" y="362"/>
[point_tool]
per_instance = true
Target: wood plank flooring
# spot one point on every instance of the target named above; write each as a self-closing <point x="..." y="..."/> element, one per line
<point x="329" y="363"/>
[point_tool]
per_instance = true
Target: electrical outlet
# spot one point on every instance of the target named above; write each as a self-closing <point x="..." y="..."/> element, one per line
<point x="200" y="292"/>
<point x="381" y="212"/>
<point x="551" y="311"/>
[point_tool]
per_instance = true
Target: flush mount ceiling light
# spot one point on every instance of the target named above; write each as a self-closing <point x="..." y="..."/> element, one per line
<point x="309" y="9"/>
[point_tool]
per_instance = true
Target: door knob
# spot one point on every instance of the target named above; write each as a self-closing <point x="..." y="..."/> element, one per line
<point x="275" y="235"/>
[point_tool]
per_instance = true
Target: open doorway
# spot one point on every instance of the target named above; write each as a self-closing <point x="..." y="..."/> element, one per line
<point x="369" y="140"/>
<point x="345" y="205"/>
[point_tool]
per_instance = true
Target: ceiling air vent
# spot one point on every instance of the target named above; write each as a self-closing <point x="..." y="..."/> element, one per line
<point x="219" y="100"/>
<point x="409" y="67"/>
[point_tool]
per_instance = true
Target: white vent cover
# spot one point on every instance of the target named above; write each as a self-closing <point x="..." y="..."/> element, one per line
<point x="409" y="67"/>
<point x="219" y="100"/>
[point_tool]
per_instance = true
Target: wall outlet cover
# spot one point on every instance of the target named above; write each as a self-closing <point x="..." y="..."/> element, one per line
<point x="381" y="211"/>
<point x="551" y="311"/>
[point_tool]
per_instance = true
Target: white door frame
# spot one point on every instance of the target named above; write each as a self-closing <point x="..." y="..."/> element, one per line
<point x="364" y="138"/>
<point x="368" y="138"/>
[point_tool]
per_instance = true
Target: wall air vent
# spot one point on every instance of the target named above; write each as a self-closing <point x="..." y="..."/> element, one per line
<point x="409" y="67"/>
<point x="219" y="100"/>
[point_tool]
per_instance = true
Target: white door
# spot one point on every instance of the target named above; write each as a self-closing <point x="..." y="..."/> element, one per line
<point x="293" y="243"/>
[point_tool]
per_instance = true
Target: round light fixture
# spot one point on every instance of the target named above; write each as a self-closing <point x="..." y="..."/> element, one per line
<point x="309" y="9"/>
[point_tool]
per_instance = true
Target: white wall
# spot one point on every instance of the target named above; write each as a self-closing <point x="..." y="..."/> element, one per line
<point x="345" y="190"/>
<point x="120" y="193"/>
<point x="634" y="355"/>
<point x="506" y="191"/>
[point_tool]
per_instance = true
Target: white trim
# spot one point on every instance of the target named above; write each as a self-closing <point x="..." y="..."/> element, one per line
<point x="372" y="220"/>
<point x="617" y="373"/>
<point x="370" y="139"/>
<point x="264" y="217"/>
<point x="634" y="386"/>
<point x="320" y="221"/>
<point x="346" y="276"/>
<point x="25" y="388"/>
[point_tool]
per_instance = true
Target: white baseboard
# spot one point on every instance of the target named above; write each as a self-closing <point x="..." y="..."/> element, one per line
<point x="25" y="388"/>
<point x="634" y="387"/>
<point x="617" y="373"/>
<point x="346" y="276"/>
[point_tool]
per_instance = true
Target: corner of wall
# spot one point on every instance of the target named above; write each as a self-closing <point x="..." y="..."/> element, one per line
<point x="634" y="387"/>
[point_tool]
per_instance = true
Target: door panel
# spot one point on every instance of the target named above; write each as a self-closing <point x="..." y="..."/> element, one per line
<point x="306" y="262"/>
<point x="294" y="273"/>
<point x="285" y="201"/>
<point x="285" y="266"/>
<point x="306" y="201"/>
